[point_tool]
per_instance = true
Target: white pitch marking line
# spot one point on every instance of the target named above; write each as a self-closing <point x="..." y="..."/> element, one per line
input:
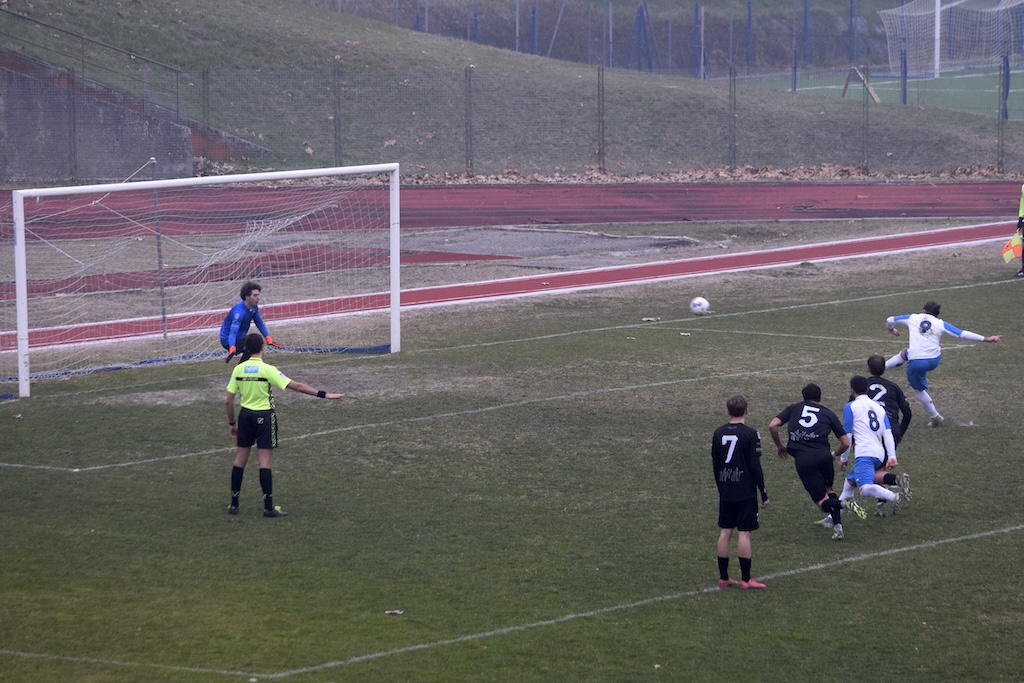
<point x="481" y="635"/>
<point x="714" y="316"/>
<point x="444" y="416"/>
<point x="834" y="302"/>
<point x="901" y="341"/>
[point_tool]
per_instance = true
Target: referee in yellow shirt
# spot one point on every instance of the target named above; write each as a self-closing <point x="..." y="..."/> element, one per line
<point x="257" y="421"/>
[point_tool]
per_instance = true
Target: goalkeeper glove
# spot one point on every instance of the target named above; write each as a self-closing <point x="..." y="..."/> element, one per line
<point x="271" y="342"/>
<point x="231" y="354"/>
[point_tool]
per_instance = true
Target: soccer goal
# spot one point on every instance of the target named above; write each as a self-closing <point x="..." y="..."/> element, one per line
<point x="928" y="34"/>
<point x="127" y="274"/>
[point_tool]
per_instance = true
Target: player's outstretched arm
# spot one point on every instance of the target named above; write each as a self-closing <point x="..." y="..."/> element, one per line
<point x="892" y="321"/>
<point x="304" y="388"/>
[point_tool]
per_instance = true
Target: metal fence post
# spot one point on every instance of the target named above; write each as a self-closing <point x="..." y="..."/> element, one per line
<point x="866" y="129"/>
<point x="1002" y="112"/>
<point x="469" y="120"/>
<point x="205" y="109"/>
<point x="72" y="126"/>
<point x="732" y="116"/>
<point x="600" y="119"/>
<point x="337" y="115"/>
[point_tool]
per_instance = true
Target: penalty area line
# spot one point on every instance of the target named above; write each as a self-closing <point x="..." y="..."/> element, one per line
<point x="456" y="414"/>
<point x="453" y="414"/>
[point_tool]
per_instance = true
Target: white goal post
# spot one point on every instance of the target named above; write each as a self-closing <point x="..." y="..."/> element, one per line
<point x="128" y="274"/>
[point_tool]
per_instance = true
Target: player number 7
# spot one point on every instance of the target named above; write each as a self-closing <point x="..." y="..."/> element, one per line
<point x="730" y="441"/>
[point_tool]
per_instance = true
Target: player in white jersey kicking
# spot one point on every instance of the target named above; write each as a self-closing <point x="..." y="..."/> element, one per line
<point x="873" y="444"/>
<point x="923" y="353"/>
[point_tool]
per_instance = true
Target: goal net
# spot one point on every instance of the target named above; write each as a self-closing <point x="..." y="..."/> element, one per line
<point x="961" y="32"/>
<point x="121" y="275"/>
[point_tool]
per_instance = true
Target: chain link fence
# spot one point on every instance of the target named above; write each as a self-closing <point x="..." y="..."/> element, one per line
<point x="546" y="119"/>
<point x="663" y="38"/>
<point x="476" y="122"/>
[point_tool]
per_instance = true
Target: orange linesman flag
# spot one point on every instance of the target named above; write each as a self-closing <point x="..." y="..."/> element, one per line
<point x="1012" y="249"/>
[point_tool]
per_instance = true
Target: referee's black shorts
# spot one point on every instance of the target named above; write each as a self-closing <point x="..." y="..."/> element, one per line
<point x="257" y="427"/>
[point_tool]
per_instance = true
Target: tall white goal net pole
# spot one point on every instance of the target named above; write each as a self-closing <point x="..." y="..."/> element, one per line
<point x="127" y="274"/>
<point x="21" y="293"/>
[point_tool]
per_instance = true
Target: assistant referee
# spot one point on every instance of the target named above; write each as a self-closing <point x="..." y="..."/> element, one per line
<point x="257" y="420"/>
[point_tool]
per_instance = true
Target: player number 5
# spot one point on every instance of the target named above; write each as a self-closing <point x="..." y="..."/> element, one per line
<point x="809" y="416"/>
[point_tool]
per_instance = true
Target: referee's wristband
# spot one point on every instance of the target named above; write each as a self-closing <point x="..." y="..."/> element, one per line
<point x="321" y="394"/>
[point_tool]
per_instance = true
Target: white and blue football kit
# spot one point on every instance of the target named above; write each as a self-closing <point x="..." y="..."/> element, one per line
<point x="871" y="433"/>
<point x="923" y="354"/>
<point x="923" y="351"/>
<point x="873" y="446"/>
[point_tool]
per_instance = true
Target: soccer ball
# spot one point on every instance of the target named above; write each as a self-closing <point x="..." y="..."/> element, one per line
<point x="700" y="306"/>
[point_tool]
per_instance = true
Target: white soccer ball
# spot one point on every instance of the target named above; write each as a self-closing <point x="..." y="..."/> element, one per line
<point x="700" y="306"/>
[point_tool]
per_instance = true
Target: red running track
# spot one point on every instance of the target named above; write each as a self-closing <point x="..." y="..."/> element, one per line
<point x="620" y="275"/>
<point x="473" y="205"/>
<point x="564" y="282"/>
<point x="479" y="205"/>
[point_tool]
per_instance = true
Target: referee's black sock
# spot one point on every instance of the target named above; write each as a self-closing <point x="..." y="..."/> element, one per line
<point x="723" y="568"/>
<point x="267" y="484"/>
<point x="236" y="483"/>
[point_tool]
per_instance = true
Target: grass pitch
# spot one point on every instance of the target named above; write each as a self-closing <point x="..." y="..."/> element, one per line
<point x="529" y="484"/>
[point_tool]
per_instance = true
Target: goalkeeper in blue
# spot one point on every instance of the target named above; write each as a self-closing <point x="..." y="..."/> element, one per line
<point x="923" y="353"/>
<point x="240" y="318"/>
